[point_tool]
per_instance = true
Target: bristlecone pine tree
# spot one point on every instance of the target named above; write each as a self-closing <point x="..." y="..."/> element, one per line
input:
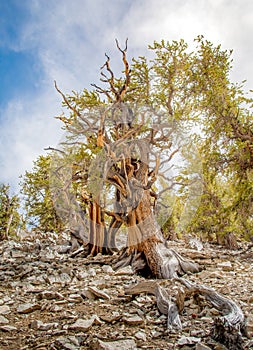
<point x="126" y="142"/>
<point x="112" y="173"/>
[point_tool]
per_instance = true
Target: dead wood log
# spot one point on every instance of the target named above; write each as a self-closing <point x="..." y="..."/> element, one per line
<point x="229" y="327"/>
<point x="167" y="307"/>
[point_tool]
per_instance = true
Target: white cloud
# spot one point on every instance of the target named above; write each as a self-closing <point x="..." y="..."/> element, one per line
<point x="28" y="128"/>
<point x="70" y="39"/>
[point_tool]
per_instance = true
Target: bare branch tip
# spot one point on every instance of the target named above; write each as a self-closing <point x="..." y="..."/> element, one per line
<point x="117" y="43"/>
<point x="126" y="44"/>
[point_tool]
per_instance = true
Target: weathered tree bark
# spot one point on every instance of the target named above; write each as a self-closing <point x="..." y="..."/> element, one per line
<point x="97" y="228"/>
<point x="146" y="242"/>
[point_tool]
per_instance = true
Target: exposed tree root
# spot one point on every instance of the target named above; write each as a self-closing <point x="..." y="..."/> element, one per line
<point x="165" y="303"/>
<point x="228" y="328"/>
<point x="156" y="260"/>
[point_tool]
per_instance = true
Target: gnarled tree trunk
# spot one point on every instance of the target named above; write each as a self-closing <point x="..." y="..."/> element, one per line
<point x="145" y="239"/>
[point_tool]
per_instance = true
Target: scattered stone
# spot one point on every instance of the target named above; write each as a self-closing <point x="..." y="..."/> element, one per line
<point x="61" y="279"/>
<point x="56" y="308"/>
<point x="82" y="275"/>
<point x="87" y="294"/>
<point x="195" y="243"/>
<point x="39" y="325"/>
<point x="3" y="320"/>
<point x="124" y="271"/>
<point x="67" y="343"/>
<point x="198" y="333"/>
<point x="7" y="328"/>
<point x="110" y="318"/>
<point x="226" y="266"/>
<point x="249" y="344"/>
<point x="133" y="320"/>
<point x="207" y="319"/>
<point x="92" y="272"/>
<point x="141" y="336"/>
<point x="85" y="325"/>
<point x="68" y="290"/>
<point x="75" y="298"/>
<point x="216" y="274"/>
<point x="7" y="299"/>
<point x="4" y="309"/>
<point x="155" y="334"/>
<point x="49" y="295"/>
<point x="108" y="269"/>
<point x="27" y="308"/>
<point x="82" y="325"/>
<point x="98" y="293"/>
<point x="17" y="254"/>
<point x="127" y="344"/>
<point x="188" y="340"/>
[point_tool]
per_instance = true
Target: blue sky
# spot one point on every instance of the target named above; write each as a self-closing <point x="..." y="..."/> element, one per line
<point x="18" y="68"/>
<point x="46" y="40"/>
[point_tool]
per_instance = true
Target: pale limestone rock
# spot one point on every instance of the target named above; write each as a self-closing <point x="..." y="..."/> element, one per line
<point x="4" y="309"/>
<point x="7" y="328"/>
<point x="124" y="271"/>
<point x="85" y="325"/>
<point x="98" y="293"/>
<point x="226" y="266"/>
<point x="127" y="344"/>
<point x="67" y="343"/>
<point x="3" y="320"/>
<point x="108" y="269"/>
<point x="133" y="320"/>
<point x="188" y="340"/>
<point x="27" y="308"/>
<point x="37" y="324"/>
<point x="141" y="336"/>
<point x="110" y="318"/>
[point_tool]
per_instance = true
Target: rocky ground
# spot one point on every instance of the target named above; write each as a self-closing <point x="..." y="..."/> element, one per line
<point x="54" y="301"/>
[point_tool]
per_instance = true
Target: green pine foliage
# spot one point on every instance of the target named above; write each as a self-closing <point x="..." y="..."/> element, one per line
<point x="10" y="219"/>
<point x="194" y="88"/>
<point x="38" y="201"/>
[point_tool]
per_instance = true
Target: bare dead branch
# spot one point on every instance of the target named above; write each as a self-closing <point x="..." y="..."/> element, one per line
<point x="172" y="154"/>
<point x="110" y="80"/>
<point x="125" y="49"/>
<point x="169" y="188"/>
<point x="70" y="106"/>
<point x="66" y="100"/>
<point x="103" y="91"/>
<point x="54" y="149"/>
<point x="124" y="87"/>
